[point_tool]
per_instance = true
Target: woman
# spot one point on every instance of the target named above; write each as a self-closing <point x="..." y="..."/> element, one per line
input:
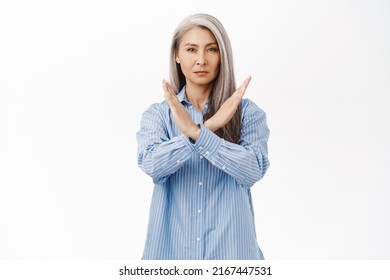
<point x="204" y="147"/>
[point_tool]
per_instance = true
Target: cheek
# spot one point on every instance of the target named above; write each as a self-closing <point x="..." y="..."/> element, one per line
<point x="184" y="66"/>
<point x="185" y="61"/>
<point x="217" y="65"/>
<point x="216" y="61"/>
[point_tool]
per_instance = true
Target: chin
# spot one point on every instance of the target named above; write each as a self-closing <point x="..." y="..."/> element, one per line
<point x="202" y="80"/>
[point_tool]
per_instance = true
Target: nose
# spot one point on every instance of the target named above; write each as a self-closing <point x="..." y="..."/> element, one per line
<point x="200" y="60"/>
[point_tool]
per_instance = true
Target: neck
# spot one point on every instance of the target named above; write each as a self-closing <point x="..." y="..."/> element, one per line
<point x="198" y="94"/>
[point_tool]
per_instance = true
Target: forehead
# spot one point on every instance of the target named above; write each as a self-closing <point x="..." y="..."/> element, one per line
<point x="198" y="36"/>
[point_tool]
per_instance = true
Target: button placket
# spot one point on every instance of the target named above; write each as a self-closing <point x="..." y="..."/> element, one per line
<point x="199" y="205"/>
<point x="199" y="192"/>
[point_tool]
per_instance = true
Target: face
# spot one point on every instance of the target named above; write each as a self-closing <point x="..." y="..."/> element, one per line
<point x="198" y="56"/>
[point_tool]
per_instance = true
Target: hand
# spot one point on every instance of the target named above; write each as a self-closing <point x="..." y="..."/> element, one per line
<point x="180" y="115"/>
<point x="228" y="108"/>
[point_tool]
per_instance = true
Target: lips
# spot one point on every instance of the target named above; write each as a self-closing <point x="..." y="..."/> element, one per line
<point x="201" y="72"/>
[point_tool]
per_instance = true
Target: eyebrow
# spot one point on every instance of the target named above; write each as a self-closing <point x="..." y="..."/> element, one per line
<point x="195" y="45"/>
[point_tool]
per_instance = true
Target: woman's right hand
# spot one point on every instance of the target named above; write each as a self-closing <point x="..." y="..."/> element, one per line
<point x="228" y="108"/>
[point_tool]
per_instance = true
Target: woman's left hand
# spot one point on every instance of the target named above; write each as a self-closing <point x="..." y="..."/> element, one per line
<point x="180" y="115"/>
<point x="228" y="108"/>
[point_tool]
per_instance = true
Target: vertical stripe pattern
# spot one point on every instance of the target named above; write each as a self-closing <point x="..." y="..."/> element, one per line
<point x="201" y="205"/>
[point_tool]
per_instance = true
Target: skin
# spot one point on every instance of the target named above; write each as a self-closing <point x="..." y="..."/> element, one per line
<point x="199" y="59"/>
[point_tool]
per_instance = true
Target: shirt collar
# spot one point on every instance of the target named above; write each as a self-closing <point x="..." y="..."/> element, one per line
<point x="182" y="95"/>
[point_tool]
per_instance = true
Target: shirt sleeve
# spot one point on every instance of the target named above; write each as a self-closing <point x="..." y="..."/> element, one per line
<point x="158" y="155"/>
<point x="246" y="161"/>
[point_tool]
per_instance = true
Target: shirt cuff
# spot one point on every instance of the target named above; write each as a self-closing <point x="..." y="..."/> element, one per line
<point x="208" y="142"/>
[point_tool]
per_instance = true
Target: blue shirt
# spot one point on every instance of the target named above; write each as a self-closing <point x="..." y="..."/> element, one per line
<point x="201" y="206"/>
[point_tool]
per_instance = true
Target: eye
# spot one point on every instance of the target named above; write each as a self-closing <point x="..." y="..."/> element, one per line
<point x="191" y="50"/>
<point x="213" y="49"/>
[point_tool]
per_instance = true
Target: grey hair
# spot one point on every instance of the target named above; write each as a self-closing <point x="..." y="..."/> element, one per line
<point x="224" y="84"/>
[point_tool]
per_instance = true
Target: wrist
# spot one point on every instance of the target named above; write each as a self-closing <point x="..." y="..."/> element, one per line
<point x="209" y="124"/>
<point x="194" y="134"/>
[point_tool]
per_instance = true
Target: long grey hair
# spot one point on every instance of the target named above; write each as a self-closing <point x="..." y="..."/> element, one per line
<point x="224" y="84"/>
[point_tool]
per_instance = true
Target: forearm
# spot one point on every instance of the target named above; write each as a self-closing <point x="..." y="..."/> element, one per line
<point x="246" y="165"/>
<point x="159" y="155"/>
<point x="211" y="125"/>
<point x="161" y="160"/>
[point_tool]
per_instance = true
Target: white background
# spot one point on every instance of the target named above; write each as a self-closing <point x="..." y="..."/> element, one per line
<point x="75" y="77"/>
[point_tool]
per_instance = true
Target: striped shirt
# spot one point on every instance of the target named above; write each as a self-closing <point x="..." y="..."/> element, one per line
<point x="201" y="205"/>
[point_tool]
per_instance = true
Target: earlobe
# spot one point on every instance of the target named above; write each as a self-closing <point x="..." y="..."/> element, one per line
<point x="176" y="54"/>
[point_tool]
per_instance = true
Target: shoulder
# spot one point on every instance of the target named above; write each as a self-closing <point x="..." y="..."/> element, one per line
<point x="157" y="109"/>
<point x="250" y="109"/>
<point x="156" y="112"/>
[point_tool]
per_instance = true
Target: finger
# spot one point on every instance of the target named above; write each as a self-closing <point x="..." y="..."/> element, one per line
<point x="247" y="81"/>
<point x="239" y="93"/>
<point x="168" y="87"/>
<point x="170" y="97"/>
<point x="245" y="84"/>
<point x="167" y="94"/>
<point x="169" y="91"/>
<point x="165" y="87"/>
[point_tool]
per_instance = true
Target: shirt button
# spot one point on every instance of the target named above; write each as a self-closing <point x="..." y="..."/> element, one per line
<point x="199" y="211"/>
<point x="198" y="239"/>
<point x="178" y="161"/>
<point x="207" y="152"/>
<point x="200" y="183"/>
<point x="201" y="157"/>
<point x="224" y="167"/>
<point x="201" y="147"/>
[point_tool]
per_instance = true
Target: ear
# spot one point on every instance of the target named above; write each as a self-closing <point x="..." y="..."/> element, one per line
<point x="177" y="57"/>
